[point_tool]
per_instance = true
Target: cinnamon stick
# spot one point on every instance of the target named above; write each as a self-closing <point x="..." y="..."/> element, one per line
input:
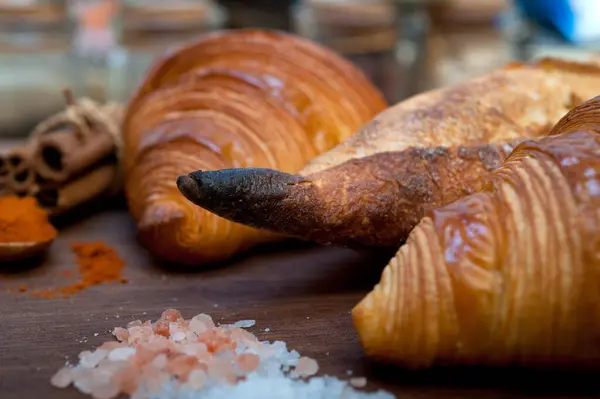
<point x="64" y="197"/>
<point x="20" y="169"/>
<point x="3" y="171"/>
<point x="61" y="155"/>
<point x="17" y="156"/>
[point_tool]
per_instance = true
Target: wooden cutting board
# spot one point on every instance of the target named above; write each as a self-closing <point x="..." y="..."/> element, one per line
<point x="303" y="294"/>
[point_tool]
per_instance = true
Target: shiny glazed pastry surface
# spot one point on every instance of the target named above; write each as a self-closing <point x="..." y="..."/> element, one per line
<point x="509" y="275"/>
<point x="245" y="98"/>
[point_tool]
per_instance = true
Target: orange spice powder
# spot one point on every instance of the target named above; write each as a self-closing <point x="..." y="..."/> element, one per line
<point x="23" y="220"/>
<point x="97" y="263"/>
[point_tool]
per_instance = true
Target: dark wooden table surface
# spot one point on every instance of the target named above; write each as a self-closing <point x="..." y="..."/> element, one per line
<point x="302" y="293"/>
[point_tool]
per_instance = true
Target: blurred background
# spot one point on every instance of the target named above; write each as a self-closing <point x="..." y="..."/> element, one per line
<point x="101" y="48"/>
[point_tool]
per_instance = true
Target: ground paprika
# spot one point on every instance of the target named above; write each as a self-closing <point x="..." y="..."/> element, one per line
<point x="23" y="220"/>
<point x="97" y="263"/>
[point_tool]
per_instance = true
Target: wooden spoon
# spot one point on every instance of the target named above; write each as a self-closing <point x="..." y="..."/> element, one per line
<point x="15" y="251"/>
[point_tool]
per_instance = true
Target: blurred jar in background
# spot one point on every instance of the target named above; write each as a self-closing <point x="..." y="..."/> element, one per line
<point x="94" y="47"/>
<point x="148" y="28"/>
<point x="383" y="37"/>
<point x="466" y="39"/>
<point x="34" y="44"/>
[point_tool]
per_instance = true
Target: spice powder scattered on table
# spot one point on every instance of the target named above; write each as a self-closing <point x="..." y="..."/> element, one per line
<point x="97" y="262"/>
<point x="23" y="220"/>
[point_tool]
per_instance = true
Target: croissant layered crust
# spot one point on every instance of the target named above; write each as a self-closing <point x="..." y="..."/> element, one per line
<point x="508" y="275"/>
<point x="245" y="98"/>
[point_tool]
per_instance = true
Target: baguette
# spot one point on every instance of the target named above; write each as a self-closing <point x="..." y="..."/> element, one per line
<point x="422" y="153"/>
<point x="509" y="275"/>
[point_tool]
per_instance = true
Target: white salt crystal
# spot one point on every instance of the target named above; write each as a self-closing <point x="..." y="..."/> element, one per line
<point x="179" y="336"/>
<point x="62" y="378"/>
<point x="120" y="354"/>
<point x="267" y="329"/>
<point x="244" y="323"/>
<point x="196" y="379"/>
<point x="84" y="384"/>
<point x="90" y="360"/>
<point x="105" y="391"/>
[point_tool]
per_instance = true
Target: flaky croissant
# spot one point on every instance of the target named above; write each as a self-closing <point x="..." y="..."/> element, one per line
<point x="509" y="275"/>
<point x="372" y="189"/>
<point x="242" y="98"/>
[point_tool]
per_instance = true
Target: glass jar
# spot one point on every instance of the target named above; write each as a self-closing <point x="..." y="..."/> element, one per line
<point x="95" y="54"/>
<point x="466" y="39"/>
<point x="148" y="28"/>
<point x="34" y="43"/>
<point x="382" y="37"/>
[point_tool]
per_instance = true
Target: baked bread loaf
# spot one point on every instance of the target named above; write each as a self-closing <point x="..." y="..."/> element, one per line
<point x="244" y="98"/>
<point x="509" y="275"/>
<point x="372" y="189"/>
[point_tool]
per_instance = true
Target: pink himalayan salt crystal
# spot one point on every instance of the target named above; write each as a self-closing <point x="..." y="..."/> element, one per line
<point x="180" y="366"/>
<point x="307" y="367"/>
<point x="153" y="378"/>
<point x="145" y="354"/>
<point x="217" y="341"/>
<point x="201" y="322"/>
<point x="121" y="334"/>
<point x="194" y="349"/>
<point x="134" y="323"/>
<point x="171" y="315"/>
<point x="244" y="337"/>
<point x="248" y="362"/>
<point x="196" y="379"/>
<point x="161" y="327"/>
<point x="128" y="380"/>
<point x="109" y="345"/>
<point x="62" y="378"/>
<point x="222" y="370"/>
<point x="138" y="334"/>
<point x="358" y="382"/>
<point x="160" y="361"/>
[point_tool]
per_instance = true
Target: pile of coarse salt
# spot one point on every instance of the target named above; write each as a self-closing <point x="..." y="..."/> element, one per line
<point x="174" y="358"/>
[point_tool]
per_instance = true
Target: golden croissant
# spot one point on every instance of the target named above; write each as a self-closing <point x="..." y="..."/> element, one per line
<point x="508" y="275"/>
<point x="372" y="189"/>
<point x="245" y="98"/>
